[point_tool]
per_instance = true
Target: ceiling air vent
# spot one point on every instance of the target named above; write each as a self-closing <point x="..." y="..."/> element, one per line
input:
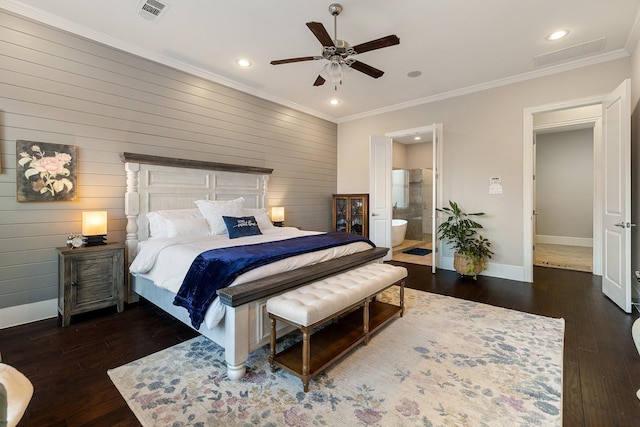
<point x="152" y="9"/>
<point x="570" y="53"/>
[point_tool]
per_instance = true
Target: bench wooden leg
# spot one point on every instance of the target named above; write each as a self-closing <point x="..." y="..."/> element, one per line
<point x="402" y="297"/>
<point x="365" y="321"/>
<point x="306" y="355"/>
<point x="272" y="353"/>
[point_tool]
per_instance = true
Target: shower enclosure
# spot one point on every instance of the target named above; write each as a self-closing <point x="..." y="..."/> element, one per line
<point x="412" y="201"/>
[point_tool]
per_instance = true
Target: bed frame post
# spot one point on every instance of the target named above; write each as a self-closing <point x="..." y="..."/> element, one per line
<point x="236" y="325"/>
<point x="131" y="211"/>
<point x="262" y="203"/>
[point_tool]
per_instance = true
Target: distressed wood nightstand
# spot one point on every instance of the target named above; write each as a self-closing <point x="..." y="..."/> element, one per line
<point x="90" y="278"/>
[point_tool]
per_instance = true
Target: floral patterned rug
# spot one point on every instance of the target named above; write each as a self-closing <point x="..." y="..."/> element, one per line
<point x="447" y="362"/>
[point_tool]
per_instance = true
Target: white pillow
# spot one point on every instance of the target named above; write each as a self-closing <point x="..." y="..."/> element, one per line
<point x="261" y="216"/>
<point x="158" y="220"/>
<point x="187" y="227"/>
<point x="213" y="210"/>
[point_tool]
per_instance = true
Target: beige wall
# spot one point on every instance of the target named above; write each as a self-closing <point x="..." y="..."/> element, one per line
<point x="564" y="186"/>
<point x="483" y="138"/>
<point x="400" y="160"/>
<point x="59" y="88"/>
<point x="420" y="156"/>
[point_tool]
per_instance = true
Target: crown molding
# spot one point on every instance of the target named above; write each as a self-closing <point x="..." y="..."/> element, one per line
<point x="97" y="36"/>
<point x="634" y="35"/>
<point x="74" y="28"/>
<point x="573" y="65"/>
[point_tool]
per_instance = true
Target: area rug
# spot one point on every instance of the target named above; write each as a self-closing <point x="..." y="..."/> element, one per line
<point x="447" y="362"/>
<point x="418" y="251"/>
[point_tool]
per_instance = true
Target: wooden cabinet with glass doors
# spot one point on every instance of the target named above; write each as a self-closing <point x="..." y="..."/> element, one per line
<point x="350" y="213"/>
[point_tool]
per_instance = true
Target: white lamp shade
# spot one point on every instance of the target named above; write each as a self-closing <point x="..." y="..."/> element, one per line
<point x="94" y="223"/>
<point x="277" y="214"/>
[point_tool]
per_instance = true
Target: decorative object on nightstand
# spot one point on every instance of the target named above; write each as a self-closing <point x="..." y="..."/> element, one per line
<point x="350" y="213"/>
<point x="277" y="216"/>
<point x="74" y="240"/>
<point x="90" y="278"/>
<point x="94" y="228"/>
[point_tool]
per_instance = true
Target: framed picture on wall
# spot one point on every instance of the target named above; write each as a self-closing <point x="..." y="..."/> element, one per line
<point x="45" y="172"/>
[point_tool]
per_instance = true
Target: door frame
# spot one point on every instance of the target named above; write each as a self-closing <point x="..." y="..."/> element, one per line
<point x="595" y="125"/>
<point x="437" y="165"/>
<point x="527" y="177"/>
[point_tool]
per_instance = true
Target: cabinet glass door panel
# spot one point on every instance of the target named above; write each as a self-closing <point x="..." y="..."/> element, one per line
<point x="356" y="216"/>
<point x="341" y="214"/>
<point x="351" y="213"/>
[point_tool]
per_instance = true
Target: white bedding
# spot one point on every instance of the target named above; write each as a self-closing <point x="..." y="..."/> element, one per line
<point x="166" y="261"/>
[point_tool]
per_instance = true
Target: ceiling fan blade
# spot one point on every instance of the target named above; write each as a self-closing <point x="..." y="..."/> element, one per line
<point x="300" y="59"/>
<point x="367" y="69"/>
<point x="321" y="34"/>
<point x="319" y="81"/>
<point x="377" y="44"/>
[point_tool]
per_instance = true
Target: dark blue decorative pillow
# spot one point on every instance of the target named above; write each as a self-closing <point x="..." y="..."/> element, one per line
<point x="241" y="226"/>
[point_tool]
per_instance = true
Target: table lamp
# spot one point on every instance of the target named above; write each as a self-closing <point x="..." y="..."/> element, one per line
<point x="94" y="228"/>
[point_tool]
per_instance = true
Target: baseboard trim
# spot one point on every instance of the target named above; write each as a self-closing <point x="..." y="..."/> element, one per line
<point x="501" y="271"/>
<point x="27" y="313"/>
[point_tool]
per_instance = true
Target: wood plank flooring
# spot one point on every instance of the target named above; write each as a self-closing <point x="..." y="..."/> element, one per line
<point x="68" y="365"/>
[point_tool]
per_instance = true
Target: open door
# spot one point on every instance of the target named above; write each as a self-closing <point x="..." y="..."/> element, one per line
<point x="534" y="198"/>
<point x="380" y="212"/>
<point x="616" y="268"/>
<point x="436" y="192"/>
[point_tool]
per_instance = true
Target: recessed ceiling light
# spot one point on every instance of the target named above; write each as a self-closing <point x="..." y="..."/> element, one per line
<point x="414" y="73"/>
<point x="243" y="63"/>
<point x="557" y="35"/>
<point x="334" y="101"/>
<point x="417" y="138"/>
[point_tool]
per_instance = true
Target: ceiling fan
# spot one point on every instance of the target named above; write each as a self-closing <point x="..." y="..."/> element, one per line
<point x="339" y="53"/>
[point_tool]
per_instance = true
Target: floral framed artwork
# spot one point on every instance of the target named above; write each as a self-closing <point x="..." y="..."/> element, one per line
<point x="45" y="172"/>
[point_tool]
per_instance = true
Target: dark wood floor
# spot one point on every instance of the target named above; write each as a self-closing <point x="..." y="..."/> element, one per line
<point x="68" y="365"/>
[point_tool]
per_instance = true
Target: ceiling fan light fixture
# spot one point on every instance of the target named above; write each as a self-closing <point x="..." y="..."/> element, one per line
<point x="335" y="71"/>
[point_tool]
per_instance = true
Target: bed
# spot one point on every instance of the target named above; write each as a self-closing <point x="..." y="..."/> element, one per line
<point x="237" y="320"/>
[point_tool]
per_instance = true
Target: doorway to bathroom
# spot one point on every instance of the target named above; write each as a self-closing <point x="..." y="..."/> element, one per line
<point x="383" y="158"/>
<point x="412" y="198"/>
<point x="411" y="227"/>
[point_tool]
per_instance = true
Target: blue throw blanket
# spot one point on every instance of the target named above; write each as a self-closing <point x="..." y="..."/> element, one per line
<point x="218" y="268"/>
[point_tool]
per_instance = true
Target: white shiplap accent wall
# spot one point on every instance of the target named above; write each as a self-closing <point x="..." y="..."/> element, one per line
<point x="59" y="88"/>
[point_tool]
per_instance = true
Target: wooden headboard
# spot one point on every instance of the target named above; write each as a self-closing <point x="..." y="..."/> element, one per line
<point x="158" y="183"/>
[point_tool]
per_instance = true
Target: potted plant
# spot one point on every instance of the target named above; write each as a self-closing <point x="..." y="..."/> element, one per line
<point x="460" y="230"/>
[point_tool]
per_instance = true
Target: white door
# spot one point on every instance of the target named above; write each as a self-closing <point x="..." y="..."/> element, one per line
<point x="535" y="208"/>
<point x="435" y="194"/>
<point x="380" y="152"/>
<point x="616" y="271"/>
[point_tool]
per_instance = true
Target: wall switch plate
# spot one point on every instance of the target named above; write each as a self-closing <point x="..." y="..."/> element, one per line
<point x="495" y="185"/>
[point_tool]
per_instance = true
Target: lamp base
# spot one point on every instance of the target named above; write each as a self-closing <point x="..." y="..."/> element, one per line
<point x="97" y="240"/>
<point x="278" y="223"/>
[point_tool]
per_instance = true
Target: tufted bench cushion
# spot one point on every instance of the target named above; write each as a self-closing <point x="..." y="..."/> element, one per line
<point x="348" y="301"/>
<point x="312" y="303"/>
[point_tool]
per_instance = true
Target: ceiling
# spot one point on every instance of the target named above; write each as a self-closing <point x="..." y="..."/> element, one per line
<point x="457" y="46"/>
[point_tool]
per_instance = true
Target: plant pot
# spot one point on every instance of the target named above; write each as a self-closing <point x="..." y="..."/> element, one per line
<point x="464" y="265"/>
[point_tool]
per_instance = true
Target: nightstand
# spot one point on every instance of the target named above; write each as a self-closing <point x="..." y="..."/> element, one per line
<point x="89" y="278"/>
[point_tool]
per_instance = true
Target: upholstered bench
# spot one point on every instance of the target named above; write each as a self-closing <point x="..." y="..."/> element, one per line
<point x="346" y="299"/>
